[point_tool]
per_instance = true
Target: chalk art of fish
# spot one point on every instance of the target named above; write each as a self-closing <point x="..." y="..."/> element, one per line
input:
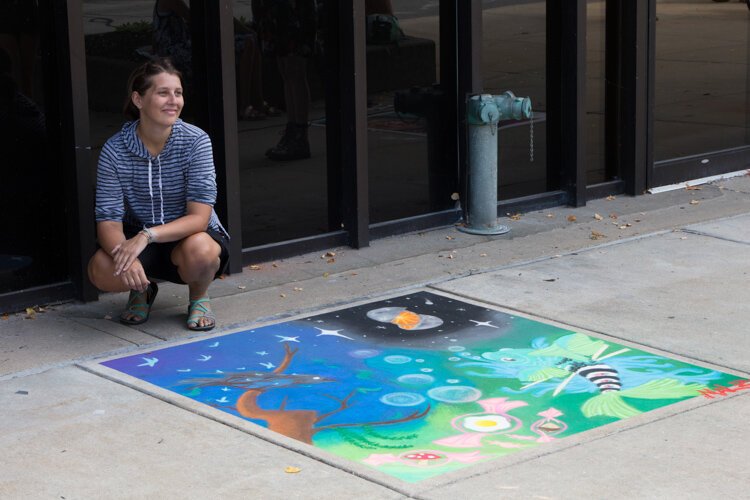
<point x="578" y="355"/>
<point x="404" y="319"/>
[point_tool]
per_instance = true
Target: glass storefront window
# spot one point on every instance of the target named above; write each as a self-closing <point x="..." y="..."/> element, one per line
<point x="404" y="173"/>
<point x="282" y="120"/>
<point x="702" y="73"/>
<point x="33" y="250"/>
<point x="514" y="58"/>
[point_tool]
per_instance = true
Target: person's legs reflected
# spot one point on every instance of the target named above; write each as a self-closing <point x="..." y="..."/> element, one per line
<point x="294" y="145"/>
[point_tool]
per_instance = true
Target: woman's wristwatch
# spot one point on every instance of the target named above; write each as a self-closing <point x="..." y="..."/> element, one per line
<point x="149" y="234"/>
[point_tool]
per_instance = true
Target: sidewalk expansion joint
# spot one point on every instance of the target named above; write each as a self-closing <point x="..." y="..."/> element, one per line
<point x="714" y="236"/>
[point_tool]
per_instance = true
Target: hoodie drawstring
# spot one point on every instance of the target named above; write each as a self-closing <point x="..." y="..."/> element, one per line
<point x="151" y="193"/>
<point x="161" y="196"/>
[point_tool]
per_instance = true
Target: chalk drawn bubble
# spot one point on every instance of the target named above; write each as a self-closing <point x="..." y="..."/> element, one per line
<point x="426" y="370"/>
<point x="455" y="394"/>
<point x="416" y="379"/>
<point x="419" y="360"/>
<point x="452" y="381"/>
<point x="364" y="353"/>
<point x="402" y="399"/>
<point x="456" y="348"/>
<point x="397" y="359"/>
<point x="453" y="358"/>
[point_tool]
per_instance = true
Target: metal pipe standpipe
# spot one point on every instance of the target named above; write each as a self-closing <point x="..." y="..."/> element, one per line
<point x="483" y="113"/>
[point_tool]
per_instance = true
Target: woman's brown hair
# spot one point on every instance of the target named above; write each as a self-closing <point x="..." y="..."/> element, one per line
<point x="141" y="79"/>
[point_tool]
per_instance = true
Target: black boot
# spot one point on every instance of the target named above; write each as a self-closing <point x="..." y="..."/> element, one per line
<point x="285" y="136"/>
<point x="295" y="147"/>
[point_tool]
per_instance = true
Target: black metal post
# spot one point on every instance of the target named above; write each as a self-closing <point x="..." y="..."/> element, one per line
<point x="212" y="30"/>
<point x="65" y="63"/>
<point x="353" y="121"/>
<point x="629" y="91"/>
<point x="566" y="94"/>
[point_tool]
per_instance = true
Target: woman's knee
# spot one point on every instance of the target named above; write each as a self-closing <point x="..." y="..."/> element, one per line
<point x="99" y="269"/>
<point x="198" y="251"/>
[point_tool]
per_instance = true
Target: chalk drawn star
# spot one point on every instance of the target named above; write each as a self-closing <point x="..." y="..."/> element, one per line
<point x="268" y="365"/>
<point x="222" y="400"/>
<point x="484" y="323"/>
<point x="331" y="333"/>
<point x="226" y="389"/>
<point x="261" y="353"/>
<point x="215" y="344"/>
<point x="184" y="370"/>
<point x="150" y="362"/>
<point x="204" y="357"/>
<point x="288" y="339"/>
<point x="380" y="327"/>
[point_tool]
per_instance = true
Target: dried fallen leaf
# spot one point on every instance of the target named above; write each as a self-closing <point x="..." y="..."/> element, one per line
<point x="455" y="197"/>
<point x="613" y="216"/>
<point x="30" y="313"/>
<point x="275" y="265"/>
<point x="514" y="216"/>
<point x="598" y="217"/>
<point x="692" y="188"/>
<point x="254" y="267"/>
<point x="596" y="235"/>
<point x="330" y="261"/>
<point x="483" y="255"/>
<point x="241" y="287"/>
<point x="292" y="470"/>
<point x="282" y="295"/>
<point x="572" y="218"/>
<point x="694" y="202"/>
<point x="550" y="216"/>
<point x="610" y="197"/>
<point x="354" y="274"/>
<point x="328" y="254"/>
<point x="325" y="275"/>
<point x="298" y="289"/>
<point x="450" y="237"/>
<point x="4" y="317"/>
<point x="684" y="238"/>
<point x="624" y="226"/>
<point x="451" y="256"/>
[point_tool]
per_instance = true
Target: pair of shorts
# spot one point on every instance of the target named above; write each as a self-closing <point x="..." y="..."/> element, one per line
<point x="156" y="258"/>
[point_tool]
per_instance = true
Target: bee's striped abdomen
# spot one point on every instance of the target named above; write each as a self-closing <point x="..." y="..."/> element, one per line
<point x="603" y="376"/>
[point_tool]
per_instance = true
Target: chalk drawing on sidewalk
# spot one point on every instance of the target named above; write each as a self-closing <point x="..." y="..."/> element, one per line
<point x="421" y="385"/>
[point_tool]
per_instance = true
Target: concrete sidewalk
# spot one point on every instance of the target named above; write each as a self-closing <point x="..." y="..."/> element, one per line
<point x="667" y="274"/>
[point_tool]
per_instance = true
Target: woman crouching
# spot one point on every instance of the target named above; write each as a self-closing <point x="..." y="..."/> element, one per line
<point x="155" y="191"/>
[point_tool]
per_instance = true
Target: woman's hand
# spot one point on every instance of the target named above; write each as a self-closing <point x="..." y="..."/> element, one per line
<point x="127" y="252"/>
<point x="135" y="277"/>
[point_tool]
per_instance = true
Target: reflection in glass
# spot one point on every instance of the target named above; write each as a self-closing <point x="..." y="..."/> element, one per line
<point x="282" y="122"/>
<point x="701" y="92"/>
<point x="403" y="125"/>
<point x="595" y="53"/>
<point x="33" y="249"/>
<point x="514" y="58"/>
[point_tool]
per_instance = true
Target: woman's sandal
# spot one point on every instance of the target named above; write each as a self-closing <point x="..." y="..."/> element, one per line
<point x="139" y="305"/>
<point x="197" y="310"/>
